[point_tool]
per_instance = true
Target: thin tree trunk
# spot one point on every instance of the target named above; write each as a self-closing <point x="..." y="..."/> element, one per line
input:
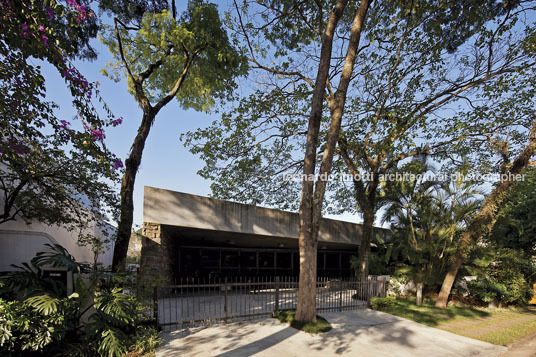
<point x="306" y="309"/>
<point x="312" y="197"/>
<point x="483" y="221"/>
<point x="364" y="247"/>
<point x="132" y="165"/>
<point x="418" y="297"/>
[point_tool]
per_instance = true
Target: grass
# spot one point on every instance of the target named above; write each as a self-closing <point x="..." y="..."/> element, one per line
<point x="497" y="326"/>
<point x="429" y="315"/>
<point x="287" y="316"/>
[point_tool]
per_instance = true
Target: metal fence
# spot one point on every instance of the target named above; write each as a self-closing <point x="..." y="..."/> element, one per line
<point x="194" y="302"/>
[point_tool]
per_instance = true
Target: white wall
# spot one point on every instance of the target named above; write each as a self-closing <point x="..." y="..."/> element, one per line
<point x="19" y="242"/>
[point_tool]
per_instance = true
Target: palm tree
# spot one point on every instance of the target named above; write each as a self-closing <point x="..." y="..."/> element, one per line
<point x="426" y="217"/>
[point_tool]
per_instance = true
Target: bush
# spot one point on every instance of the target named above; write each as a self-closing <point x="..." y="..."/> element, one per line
<point x="145" y="340"/>
<point x="378" y="303"/>
<point x="505" y="280"/>
<point x="99" y="319"/>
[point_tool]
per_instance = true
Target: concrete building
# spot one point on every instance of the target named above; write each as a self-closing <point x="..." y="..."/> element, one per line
<point x="186" y="235"/>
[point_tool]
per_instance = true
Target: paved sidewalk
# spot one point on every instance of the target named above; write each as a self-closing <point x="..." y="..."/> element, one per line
<point x="355" y="333"/>
<point x="526" y="347"/>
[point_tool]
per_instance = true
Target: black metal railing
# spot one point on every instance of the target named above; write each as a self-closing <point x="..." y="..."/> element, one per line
<point x="194" y="302"/>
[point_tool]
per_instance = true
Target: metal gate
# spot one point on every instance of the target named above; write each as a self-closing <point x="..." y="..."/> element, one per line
<point x="195" y="302"/>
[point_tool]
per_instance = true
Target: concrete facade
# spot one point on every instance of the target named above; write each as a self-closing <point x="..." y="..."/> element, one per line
<point x="172" y="219"/>
<point x="184" y="210"/>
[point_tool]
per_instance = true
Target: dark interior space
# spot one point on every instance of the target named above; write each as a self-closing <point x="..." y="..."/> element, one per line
<point x="221" y="262"/>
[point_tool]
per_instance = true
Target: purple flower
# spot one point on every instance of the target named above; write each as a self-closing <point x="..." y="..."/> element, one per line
<point x="82" y="13"/>
<point x="41" y="28"/>
<point x="96" y="134"/>
<point x="72" y="3"/>
<point x="50" y="12"/>
<point x="19" y="148"/>
<point x="25" y="26"/>
<point x="117" y="121"/>
<point x="64" y="124"/>
<point x="118" y="164"/>
<point x="45" y="40"/>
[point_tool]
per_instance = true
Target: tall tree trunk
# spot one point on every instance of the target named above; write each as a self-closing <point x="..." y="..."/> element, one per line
<point x="483" y="221"/>
<point x="306" y="309"/>
<point x="364" y="247"/>
<point x="132" y="164"/>
<point x="312" y="196"/>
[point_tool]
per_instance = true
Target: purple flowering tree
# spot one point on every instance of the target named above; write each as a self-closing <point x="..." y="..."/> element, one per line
<point x="51" y="170"/>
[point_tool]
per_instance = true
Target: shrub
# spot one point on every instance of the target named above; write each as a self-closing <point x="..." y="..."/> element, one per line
<point x="506" y="279"/>
<point x="145" y="340"/>
<point x="378" y="303"/>
<point x="46" y="322"/>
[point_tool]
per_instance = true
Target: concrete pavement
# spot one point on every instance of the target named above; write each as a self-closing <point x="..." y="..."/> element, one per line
<point x="526" y="347"/>
<point x="355" y="333"/>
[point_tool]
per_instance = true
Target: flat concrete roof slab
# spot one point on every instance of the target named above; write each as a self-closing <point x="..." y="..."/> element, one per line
<point x="191" y="211"/>
<point x="355" y="333"/>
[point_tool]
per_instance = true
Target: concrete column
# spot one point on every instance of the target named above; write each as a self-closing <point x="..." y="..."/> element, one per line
<point x="158" y="252"/>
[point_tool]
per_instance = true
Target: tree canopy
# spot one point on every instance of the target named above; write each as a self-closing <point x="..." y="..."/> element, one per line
<point x="163" y="58"/>
<point x="52" y="171"/>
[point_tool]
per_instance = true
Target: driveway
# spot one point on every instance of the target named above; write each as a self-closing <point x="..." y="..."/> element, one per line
<point x="355" y="333"/>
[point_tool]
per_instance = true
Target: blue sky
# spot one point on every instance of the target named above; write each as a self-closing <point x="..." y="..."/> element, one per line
<point x="166" y="163"/>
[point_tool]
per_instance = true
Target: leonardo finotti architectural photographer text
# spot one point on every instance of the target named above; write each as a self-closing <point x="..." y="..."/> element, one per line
<point x="408" y="177"/>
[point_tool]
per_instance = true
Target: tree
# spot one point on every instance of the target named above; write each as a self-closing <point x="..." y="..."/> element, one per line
<point x="189" y="59"/>
<point x="484" y="220"/>
<point x="405" y="82"/>
<point x="427" y="217"/>
<point x="405" y="93"/>
<point x="51" y="171"/>
<point x="312" y="197"/>
<point x="515" y="226"/>
<point x="398" y="99"/>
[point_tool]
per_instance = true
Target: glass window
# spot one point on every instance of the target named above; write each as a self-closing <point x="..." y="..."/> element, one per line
<point x="266" y="260"/>
<point x="284" y="260"/>
<point x="332" y="260"/>
<point x="248" y="259"/>
<point x="210" y="258"/>
<point x="230" y="259"/>
<point x="345" y="260"/>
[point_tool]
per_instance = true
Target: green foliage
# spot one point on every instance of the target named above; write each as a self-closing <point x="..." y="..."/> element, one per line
<point x="197" y="36"/>
<point x="378" y="303"/>
<point x="414" y="78"/>
<point x="34" y="323"/>
<point x="287" y="316"/>
<point x="505" y="276"/>
<point x="427" y="218"/>
<point x="516" y="225"/>
<point x="146" y="340"/>
<point x="486" y="290"/>
<point x="99" y="319"/>
<point x="52" y="171"/>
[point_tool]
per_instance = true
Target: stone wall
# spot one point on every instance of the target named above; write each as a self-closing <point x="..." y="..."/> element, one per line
<point x="134" y="245"/>
<point x="158" y="252"/>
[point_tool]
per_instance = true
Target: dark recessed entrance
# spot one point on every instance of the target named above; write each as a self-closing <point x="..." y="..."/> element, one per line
<point x="218" y="262"/>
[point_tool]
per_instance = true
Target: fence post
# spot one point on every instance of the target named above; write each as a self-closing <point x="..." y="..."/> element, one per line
<point x="225" y="302"/>
<point x="155" y="307"/>
<point x="340" y="295"/>
<point x="276" y="306"/>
